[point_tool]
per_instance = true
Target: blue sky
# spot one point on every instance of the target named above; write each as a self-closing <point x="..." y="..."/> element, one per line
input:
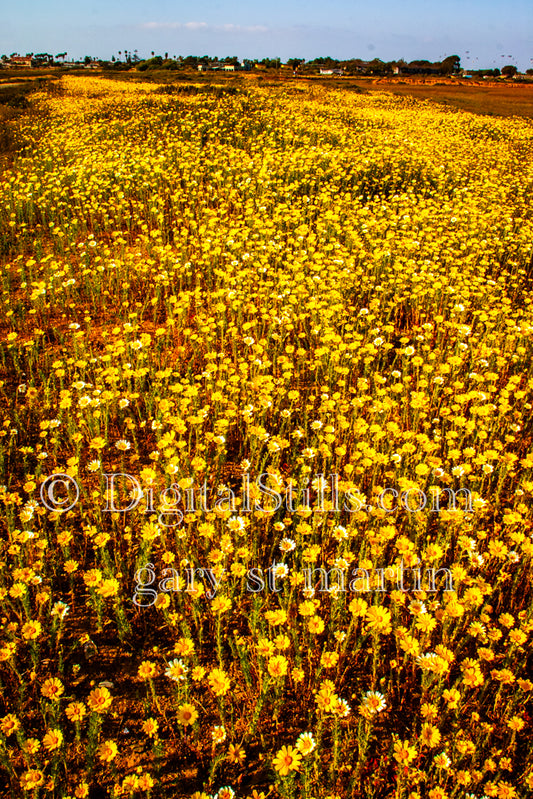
<point x="485" y="33"/>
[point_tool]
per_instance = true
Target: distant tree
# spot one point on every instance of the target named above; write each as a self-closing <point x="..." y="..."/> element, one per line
<point x="509" y="71"/>
<point x="87" y="60"/>
<point x="450" y="65"/>
<point x="295" y="62"/>
<point x="271" y="63"/>
<point x="528" y="71"/>
<point x="62" y="56"/>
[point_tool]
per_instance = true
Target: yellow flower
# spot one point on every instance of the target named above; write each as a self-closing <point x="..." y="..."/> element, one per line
<point x="404" y="753"/>
<point x="219" y="682"/>
<point x="31" y="630"/>
<point x="316" y="625"/>
<point x="9" y="724"/>
<point x="107" y="751"/>
<point x="277" y="666"/>
<point x="147" y="670"/>
<point x="53" y="740"/>
<point x="430" y="735"/>
<point x="186" y="714"/>
<point x="99" y="700"/>
<point x="52" y="688"/>
<point x="287" y="759"/>
<point x="31" y="779"/>
<point x="150" y="727"/>
<point x="108" y="587"/>
<point x="75" y="711"/>
<point x="329" y="659"/>
<point x="378" y="619"/>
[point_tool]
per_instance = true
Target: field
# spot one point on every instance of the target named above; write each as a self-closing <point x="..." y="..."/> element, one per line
<point x="266" y="398"/>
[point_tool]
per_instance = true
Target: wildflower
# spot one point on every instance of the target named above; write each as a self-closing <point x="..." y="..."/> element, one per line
<point x="75" y="711"/>
<point x="186" y="714"/>
<point x="277" y="666"/>
<point x="287" y="759"/>
<point x="430" y="736"/>
<point x="404" y="753"/>
<point x="316" y="625"/>
<point x="442" y="760"/>
<point x="218" y="734"/>
<point x="53" y="740"/>
<point x="52" y="688"/>
<point x="236" y="754"/>
<point x="60" y="609"/>
<point x="107" y="751"/>
<point x="378" y="619"/>
<point x="99" y="700"/>
<point x="184" y="646"/>
<point x="31" y="779"/>
<point x="219" y="682"/>
<point x="31" y="630"/>
<point x="305" y="743"/>
<point x="373" y="702"/>
<point x="147" y="670"/>
<point x="329" y="659"/>
<point x="505" y="790"/>
<point x="176" y="670"/>
<point x="150" y="727"/>
<point x="9" y="724"/>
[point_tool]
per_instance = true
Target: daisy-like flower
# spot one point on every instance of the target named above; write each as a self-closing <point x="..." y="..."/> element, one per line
<point x="176" y="670"/>
<point x="52" y="688"/>
<point x="342" y="708"/>
<point x="218" y="734"/>
<point x="306" y="743"/>
<point x="75" y="711"/>
<point x="9" y="724"/>
<point x="31" y="779"/>
<point x="287" y="759"/>
<point x="53" y="740"/>
<point x="123" y="445"/>
<point x="107" y="751"/>
<point x="99" y="700"/>
<point x="186" y="714"/>
<point x="147" y="670"/>
<point x="442" y="760"/>
<point x="150" y="727"/>
<point x="374" y="702"/>
<point x="219" y="682"/>
<point x="60" y="610"/>
<point x="94" y="465"/>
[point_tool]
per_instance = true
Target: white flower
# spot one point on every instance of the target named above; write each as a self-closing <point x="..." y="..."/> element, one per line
<point x="60" y="610"/>
<point x="123" y="445"/>
<point x="176" y="670"/>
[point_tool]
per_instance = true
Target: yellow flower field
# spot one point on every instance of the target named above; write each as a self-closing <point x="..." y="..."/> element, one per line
<point x="267" y="446"/>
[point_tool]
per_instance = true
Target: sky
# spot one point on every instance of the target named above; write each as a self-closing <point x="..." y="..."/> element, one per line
<point x="484" y="33"/>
